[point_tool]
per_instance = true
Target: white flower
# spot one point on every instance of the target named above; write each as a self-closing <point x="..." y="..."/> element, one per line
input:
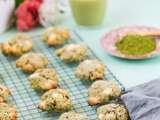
<point x="49" y="13"/>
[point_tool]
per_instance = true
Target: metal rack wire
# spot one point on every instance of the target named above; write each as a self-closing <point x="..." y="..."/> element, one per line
<point x="26" y="99"/>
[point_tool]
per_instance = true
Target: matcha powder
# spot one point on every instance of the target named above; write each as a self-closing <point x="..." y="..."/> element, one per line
<point x="136" y="45"/>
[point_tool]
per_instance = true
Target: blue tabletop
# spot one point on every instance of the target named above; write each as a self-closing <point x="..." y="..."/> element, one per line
<point x="119" y="13"/>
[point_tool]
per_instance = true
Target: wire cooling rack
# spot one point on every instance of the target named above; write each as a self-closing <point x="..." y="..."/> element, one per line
<point x="26" y="99"/>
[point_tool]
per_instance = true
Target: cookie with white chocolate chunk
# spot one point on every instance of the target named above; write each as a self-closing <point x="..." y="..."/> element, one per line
<point x="101" y="91"/>
<point x="44" y="79"/>
<point x="4" y="93"/>
<point x="90" y="70"/>
<point x="72" y="116"/>
<point x="56" y="36"/>
<point x="72" y="52"/>
<point x="112" y="112"/>
<point x="7" y="112"/>
<point x="55" y="100"/>
<point x="31" y="62"/>
<point x="17" y="45"/>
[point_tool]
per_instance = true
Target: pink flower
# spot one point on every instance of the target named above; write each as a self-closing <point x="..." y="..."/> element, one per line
<point x="27" y="15"/>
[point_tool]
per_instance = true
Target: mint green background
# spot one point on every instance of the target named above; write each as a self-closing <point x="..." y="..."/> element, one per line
<point x="119" y="13"/>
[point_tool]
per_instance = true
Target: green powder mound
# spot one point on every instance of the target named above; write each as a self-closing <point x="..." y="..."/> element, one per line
<point x="136" y="45"/>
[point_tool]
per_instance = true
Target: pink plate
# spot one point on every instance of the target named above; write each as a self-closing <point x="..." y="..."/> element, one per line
<point x="109" y="40"/>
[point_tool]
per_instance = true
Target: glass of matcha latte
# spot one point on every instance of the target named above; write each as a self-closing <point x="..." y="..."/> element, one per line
<point x="88" y="12"/>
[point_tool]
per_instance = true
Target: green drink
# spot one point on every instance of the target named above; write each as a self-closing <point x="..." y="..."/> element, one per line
<point x="88" y="12"/>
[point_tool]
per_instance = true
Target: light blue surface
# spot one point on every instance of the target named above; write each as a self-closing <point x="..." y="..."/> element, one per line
<point x="121" y="13"/>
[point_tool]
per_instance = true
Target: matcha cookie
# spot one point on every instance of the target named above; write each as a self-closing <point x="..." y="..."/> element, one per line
<point x="90" y="70"/>
<point x="102" y="91"/>
<point x="56" y="36"/>
<point x="30" y="62"/>
<point x="7" y="112"/>
<point x="4" y="93"/>
<point x="112" y="112"/>
<point x="18" y="45"/>
<point x="72" y="116"/>
<point x="72" y="52"/>
<point x="44" y="79"/>
<point x="56" y="100"/>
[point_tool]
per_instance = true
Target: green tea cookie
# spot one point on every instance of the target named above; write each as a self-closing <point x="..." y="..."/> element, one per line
<point x="4" y="93"/>
<point x="18" y="45"/>
<point x="30" y="62"/>
<point x="72" y="116"/>
<point x="72" y="52"/>
<point x="44" y="79"/>
<point x="112" y="112"/>
<point x="102" y="91"/>
<point x="7" y="112"/>
<point x="90" y="70"/>
<point x="56" y="36"/>
<point x="56" y="100"/>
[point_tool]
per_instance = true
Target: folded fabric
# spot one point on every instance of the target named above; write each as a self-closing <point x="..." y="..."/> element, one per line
<point x="143" y="101"/>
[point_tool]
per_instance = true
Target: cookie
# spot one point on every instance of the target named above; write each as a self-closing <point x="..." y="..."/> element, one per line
<point x="55" y="100"/>
<point x="72" y="116"/>
<point x="4" y="93"/>
<point x="44" y="79"/>
<point x="72" y="52"/>
<point x="56" y="36"/>
<point x="90" y="70"/>
<point x="112" y="112"/>
<point x="30" y="62"/>
<point x="17" y="45"/>
<point x="7" y="112"/>
<point x="102" y="91"/>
